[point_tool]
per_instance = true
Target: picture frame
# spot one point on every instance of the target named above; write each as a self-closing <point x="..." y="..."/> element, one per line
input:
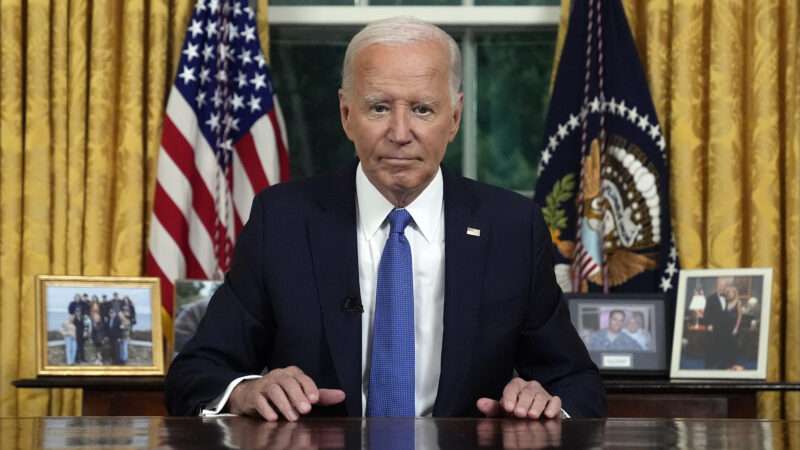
<point x="723" y="342"/>
<point x="191" y="300"/>
<point x="95" y="326"/>
<point x="624" y="333"/>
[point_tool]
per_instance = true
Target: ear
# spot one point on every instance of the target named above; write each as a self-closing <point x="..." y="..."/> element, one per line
<point x="456" y="117"/>
<point x="344" y="113"/>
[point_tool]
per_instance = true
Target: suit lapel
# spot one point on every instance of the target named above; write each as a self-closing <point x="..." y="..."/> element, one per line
<point x="332" y="239"/>
<point x="465" y="259"/>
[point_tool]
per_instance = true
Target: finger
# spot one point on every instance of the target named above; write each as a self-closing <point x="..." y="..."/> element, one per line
<point x="489" y="407"/>
<point x="553" y="409"/>
<point x="538" y="405"/>
<point x="510" y="394"/>
<point x="329" y="397"/>
<point x="279" y="400"/>
<point x="306" y="383"/>
<point x="294" y="391"/>
<point x="524" y="403"/>
<point x="264" y="410"/>
<point x="309" y="387"/>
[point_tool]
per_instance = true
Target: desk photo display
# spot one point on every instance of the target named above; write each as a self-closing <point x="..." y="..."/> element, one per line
<point x="722" y="324"/>
<point x="191" y="301"/>
<point x="98" y="326"/>
<point x="624" y="333"/>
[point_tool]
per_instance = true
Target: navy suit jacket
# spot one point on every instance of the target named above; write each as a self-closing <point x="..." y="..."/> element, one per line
<point x="287" y="301"/>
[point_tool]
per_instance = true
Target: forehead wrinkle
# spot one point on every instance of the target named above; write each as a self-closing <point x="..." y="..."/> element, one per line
<point x="378" y="88"/>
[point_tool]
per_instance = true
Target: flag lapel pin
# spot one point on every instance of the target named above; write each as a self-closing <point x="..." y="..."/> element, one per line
<point x="473" y="232"/>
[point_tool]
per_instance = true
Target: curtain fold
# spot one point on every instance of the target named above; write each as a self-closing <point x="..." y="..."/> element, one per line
<point x="724" y="80"/>
<point x="84" y="85"/>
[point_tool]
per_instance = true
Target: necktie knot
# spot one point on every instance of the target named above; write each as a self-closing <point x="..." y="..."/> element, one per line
<point x="399" y="219"/>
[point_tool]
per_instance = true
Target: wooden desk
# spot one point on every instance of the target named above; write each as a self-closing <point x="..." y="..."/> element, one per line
<point x="117" y="396"/>
<point x="688" y="399"/>
<point x="387" y="434"/>
<point x="110" y="396"/>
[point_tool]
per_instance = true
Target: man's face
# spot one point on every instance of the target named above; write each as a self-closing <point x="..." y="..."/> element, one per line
<point x="399" y="115"/>
<point x="732" y="293"/>
<point x="633" y="324"/>
<point x="615" y="322"/>
<point x="722" y="284"/>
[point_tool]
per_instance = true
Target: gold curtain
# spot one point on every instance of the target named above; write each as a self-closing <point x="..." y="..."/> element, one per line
<point x="83" y="85"/>
<point x="725" y="80"/>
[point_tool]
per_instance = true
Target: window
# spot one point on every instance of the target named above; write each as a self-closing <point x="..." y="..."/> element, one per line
<point x="507" y="48"/>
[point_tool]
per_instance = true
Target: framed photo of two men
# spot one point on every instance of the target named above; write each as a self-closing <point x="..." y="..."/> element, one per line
<point x="722" y="324"/>
<point x="98" y="326"/>
<point x="624" y="333"/>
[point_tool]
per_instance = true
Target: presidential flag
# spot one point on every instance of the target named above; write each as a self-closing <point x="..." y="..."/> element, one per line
<point x="603" y="182"/>
<point x="223" y="141"/>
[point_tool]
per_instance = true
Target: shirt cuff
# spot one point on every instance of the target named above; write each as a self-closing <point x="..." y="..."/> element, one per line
<point x="218" y="404"/>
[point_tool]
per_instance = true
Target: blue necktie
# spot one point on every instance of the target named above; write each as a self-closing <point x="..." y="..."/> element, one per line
<point x="391" y="378"/>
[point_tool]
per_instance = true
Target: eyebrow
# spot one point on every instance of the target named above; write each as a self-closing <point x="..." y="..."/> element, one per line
<point x="371" y="99"/>
<point x="374" y="99"/>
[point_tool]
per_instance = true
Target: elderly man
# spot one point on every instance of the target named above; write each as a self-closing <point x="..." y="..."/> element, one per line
<point x="392" y="288"/>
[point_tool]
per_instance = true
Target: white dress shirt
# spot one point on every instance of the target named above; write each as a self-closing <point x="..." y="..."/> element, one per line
<point x="425" y="235"/>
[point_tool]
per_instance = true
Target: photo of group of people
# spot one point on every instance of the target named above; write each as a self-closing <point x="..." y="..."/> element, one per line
<point x="98" y="326"/>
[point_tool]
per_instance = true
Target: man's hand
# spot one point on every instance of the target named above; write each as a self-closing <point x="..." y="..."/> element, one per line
<point x="281" y="392"/>
<point x="522" y="399"/>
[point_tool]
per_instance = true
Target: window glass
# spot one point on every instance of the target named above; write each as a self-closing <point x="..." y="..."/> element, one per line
<point x="513" y="89"/>
<point x="306" y="67"/>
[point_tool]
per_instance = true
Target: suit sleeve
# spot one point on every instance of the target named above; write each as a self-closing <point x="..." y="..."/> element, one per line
<point x="236" y="334"/>
<point x="550" y="351"/>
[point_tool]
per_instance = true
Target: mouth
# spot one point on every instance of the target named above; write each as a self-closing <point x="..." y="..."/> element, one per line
<point x="400" y="160"/>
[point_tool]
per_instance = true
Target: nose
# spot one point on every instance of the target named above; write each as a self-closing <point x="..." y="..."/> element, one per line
<point x="400" y="127"/>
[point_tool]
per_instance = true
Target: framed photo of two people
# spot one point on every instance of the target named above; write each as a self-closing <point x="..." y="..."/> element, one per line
<point x="624" y="333"/>
<point x="98" y="326"/>
<point x="722" y="324"/>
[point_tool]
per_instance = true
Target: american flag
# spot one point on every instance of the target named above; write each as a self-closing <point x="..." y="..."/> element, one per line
<point x="223" y="141"/>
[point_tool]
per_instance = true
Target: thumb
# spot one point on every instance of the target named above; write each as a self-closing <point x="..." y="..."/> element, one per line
<point x="330" y="397"/>
<point x="489" y="407"/>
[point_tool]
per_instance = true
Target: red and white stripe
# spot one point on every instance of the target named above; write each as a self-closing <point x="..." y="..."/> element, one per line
<point x="185" y="210"/>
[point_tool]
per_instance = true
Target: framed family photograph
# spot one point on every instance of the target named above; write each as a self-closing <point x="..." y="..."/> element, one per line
<point x="722" y="324"/>
<point x="624" y="333"/>
<point x="98" y="326"/>
<point x="191" y="301"/>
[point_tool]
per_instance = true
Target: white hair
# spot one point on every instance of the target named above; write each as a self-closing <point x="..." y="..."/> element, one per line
<point x="400" y="31"/>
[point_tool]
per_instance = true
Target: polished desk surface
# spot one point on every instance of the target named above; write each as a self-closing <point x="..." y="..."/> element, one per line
<point x="390" y="434"/>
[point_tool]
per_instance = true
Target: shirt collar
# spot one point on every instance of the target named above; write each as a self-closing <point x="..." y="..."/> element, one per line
<point x="425" y="210"/>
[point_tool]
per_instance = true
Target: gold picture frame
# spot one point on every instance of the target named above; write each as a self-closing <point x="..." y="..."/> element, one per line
<point x="95" y="326"/>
